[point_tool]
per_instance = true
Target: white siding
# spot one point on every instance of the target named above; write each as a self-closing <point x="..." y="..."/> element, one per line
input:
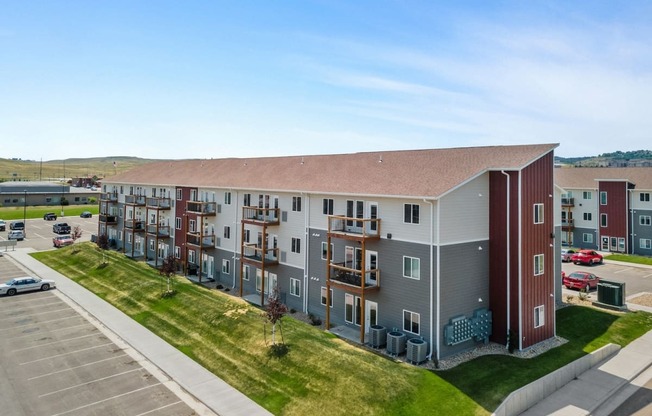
<point x="464" y="212"/>
<point x="638" y="204"/>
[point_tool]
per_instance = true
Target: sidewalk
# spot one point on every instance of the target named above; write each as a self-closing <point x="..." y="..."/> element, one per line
<point x="195" y="379"/>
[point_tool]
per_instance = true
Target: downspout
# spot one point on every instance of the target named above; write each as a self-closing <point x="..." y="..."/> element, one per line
<point x="507" y="251"/>
<point x="520" y="262"/>
<point x="630" y="202"/>
<point x="432" y="310"/>
<point x="306" y="258"/>
<point x="235" y="240"/>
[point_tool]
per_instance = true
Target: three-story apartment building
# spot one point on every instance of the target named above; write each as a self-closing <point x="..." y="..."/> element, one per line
<point x="453" y="246"/>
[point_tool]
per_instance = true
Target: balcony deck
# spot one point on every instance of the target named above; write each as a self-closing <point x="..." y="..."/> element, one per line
<point x="260" y="216"/>
<point x="207" y="209"/>
<point x="138" y="200"/>
<point x="159" y="203"/>
<point x="108" y="219"/>
<point x="109" y="197"/>
<point x="350" y="279"/>
<point x="161" y="231"/>
<point x="350" y="228"/>
<point x="253" y="254"/>
<point x="568" y="202"/>
<point x="135" y="225"/>
<point x="203" y="241"/>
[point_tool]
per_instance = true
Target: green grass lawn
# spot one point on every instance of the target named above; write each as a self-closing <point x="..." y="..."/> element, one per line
<point x="629" y="258"/>
<point x="320" y="373"/>
<point x="16" y="213"/>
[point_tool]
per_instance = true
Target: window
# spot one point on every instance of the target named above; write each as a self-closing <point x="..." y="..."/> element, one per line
<point x="227" y="232"/>
<point x="327" y="206"/>
<point x="129" y="238"/>
<point x="603" y="198"/>
<point x="48" y="200"/>
<point x="603" y="220"/>
<point x="587" y="195"/>
<point x="247" y="200"/>
<point x="191" y="256"/>
<point x="323" y="297"/>
<point x="411" y="212"/>
<point x="324" y="250"/>
<point x="247" y="234"/>
<point x="226" y="266"/>
<point x="151" y="245"/>
<point x="191" y="226"/>
<point x="227" y="198"/>
<point x="348" y="308"/>
<point x="538" y="264"/>
<point x="587" y="238"/>
<point x="588" y="216"/>
<point x="645" y="220"/>
<point x="177" y="223"/>
<point x="246" y="273"/>
<point x="411" y="267"/>
<point x="646" y="243"/>
<point x="296" y="203"/>
<point x="538" y="213"/>
<point x="295" y="287"/>
<point x="644" y="196"/>
<point x="539" y="316"/>
<point x="296" y="245"/>
<point x="411" y="322"/>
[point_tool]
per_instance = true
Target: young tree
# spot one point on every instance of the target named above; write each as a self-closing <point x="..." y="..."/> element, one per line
<point x="274" y="311"/>
<point x="76" y="233"/>
<point x="168" y="268"/>
<point x="103" y="244"/>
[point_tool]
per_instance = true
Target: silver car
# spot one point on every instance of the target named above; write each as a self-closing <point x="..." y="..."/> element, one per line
<point x="25" y="284"/>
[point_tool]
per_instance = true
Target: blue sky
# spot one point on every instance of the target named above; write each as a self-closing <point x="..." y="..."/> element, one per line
<point x="212" y="79"/>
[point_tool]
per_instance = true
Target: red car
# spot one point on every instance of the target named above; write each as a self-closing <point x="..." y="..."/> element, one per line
<point x="580" y="280"/>
<point x="589" y="257"/>
<point x="62" y="241"/>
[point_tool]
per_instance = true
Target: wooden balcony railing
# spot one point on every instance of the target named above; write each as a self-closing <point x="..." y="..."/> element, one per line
<point x="135" y="225"/>
<point x="344" y="276"/>
<point x="254" y="253"/>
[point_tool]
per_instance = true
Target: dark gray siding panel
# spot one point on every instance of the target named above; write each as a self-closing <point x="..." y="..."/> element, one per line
<point x="464" y="281"/>
<point x="641" y="231"/>
<point x="578" y="238"/>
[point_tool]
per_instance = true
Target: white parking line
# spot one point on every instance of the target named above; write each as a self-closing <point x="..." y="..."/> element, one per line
<point x="105" y="400"/>
<point x="56" y="329"/>
<point x="91" y="382"/>
<point x="38" y="305"/>
<point x="39" y="313"/>
<point x="74" y="368"/>
<point x="65" y="353"/>
<point x="648" y="275"/>
<point x="621" y="271"/>
<point x="54" y="342"/>
<point x="160" y="408"/>
<point x="38" y="323"/>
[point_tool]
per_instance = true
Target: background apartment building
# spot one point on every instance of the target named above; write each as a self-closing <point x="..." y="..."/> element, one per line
<point x="453" y="246"/>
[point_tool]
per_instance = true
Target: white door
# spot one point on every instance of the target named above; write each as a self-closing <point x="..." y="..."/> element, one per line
<point x="372" y="214"/>
<point x="371" y="265"/>
<point x="371" y="315"/>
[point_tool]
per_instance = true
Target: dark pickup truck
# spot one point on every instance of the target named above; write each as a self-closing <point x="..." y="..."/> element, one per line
<point x="61" y="228"/>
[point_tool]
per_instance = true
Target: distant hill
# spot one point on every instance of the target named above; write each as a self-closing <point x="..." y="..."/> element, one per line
<point x="615" y="159"/>
<point x="30" y="170"/>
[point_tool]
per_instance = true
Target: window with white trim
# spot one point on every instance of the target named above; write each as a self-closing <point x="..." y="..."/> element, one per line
<point x="179" y="195"/>
<point x="191" y="257"/>
<point x="227" y="232"/>
<point x="191" y="226"/>
<point x="295" y="287"/>
<point x="538" y="213"/>
<point x="411" y="322"/>
<point x="644" y="197"/>
<point x="323" y="297"/>
<point x="539" y="316"/>
<point x="645" y="220"/>
<point x="646" y="243"/>
<point x="246" y="200"/>
<point x="296" y="245"/>
<point x="296" y="203"/>
<point x="227" y="198"/>
<point x="226" y="266"/>
<point x="603" y="198"/>
<point x="177" y="223"/>
<point x="327" y="208"/>
<point x="587" y="237"/>
<point x="324" y="250"/>
<point x="588" y="216"/>
<point x="177" y="252"/>
<point x="151" y="245"/>
<point x="587" y="195"/>
<point x="411" y="267"/>
<point x="411" y="213"/>
<point x="603" y="220"/>
<point x="348" y="308"/>
<point x="538" y="264"/>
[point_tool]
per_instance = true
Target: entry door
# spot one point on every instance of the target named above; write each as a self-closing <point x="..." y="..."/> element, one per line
<point x="613" y="244"/>
<point x="371" y="315"/>
<point x="371" y="264"/>
<point x="604" y="243"/>
<point x="373" y="214"/>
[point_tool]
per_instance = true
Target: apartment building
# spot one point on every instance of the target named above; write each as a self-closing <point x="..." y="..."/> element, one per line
<point x="607" y="209"/>
<point x="451" y="246"/>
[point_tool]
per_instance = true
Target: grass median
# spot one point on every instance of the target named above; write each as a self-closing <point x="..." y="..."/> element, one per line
<point x="320" y="373"/>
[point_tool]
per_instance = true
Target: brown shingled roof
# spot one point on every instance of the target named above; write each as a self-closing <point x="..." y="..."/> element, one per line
<point x="586" y="178"/>
<point x="419" y="173"/>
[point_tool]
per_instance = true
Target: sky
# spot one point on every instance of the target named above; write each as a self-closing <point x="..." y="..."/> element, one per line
<point x="214" y="79"/>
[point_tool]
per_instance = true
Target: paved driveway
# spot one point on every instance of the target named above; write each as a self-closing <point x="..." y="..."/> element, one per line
<point x="39" y="231"/>
<point x="636" y="279"/>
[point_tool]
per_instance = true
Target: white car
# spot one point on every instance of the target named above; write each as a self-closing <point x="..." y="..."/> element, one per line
<point x="25" y="284"/>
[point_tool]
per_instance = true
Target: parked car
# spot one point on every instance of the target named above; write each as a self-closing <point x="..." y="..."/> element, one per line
<point x="62" y="241"/>
<point x="50" y="216"/>
<point x="16" y="225"/>
<point x="18" y="235"/>
<point x="3" y="225"/>
<point x="589" y="257"/>
<point x="25" y="284"/>
<point x="580" y="280"/>
<point x="61" y="228"/>
<point x="86" y="214"/>
<point x="567" y="254"/>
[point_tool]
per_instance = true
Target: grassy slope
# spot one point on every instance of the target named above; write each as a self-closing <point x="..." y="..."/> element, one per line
<point x="322" y="374"/>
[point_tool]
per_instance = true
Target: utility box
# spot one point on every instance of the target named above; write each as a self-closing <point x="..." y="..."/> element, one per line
<point x="611" y="294"/>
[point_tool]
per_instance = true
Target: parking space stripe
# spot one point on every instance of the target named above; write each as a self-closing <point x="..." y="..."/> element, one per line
<point x="106" y="400"/>
<point x="159" y="408"/>
<point x="648" y="275"/>
<point x="40" y="305"/>
<point x="621" y="271"/>
<point x="54" y="342"/>
<point x="39" y="323"/>
<point x="56" y="329"/>
<point x="42" y="313"/>
<point x="65" y="353"/>
<point x="91" y="382"/>
<point x="74" y="368"/>
<point x="29" y="300"/>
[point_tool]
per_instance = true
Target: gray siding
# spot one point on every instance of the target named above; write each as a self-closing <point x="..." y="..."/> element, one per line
<point x="578" y="238"/>
<point x="641" y="231"/>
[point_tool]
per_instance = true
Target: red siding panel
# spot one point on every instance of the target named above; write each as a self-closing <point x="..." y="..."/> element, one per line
<point x="616" y="210"/>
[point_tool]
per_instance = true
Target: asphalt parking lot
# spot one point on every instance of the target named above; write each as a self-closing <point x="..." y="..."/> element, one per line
<point x="38" y="232"/>
<point x="636" y="279"/>
<point x="55" y="361"/>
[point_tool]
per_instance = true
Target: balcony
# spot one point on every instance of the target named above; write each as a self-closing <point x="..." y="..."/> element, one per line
<point x="135" y="225"/>
<point x="197" y="240"/>
<point x="108" y="219"/>
<point x="353" y="228"/>
<point x="109" y="197"/>
<point x="260" y="216"/>
<point x="161" y="231"/>
<point x="350" y="279"/>
<point x="253" y="253"/>
<point x="159" y="203"/>
<point x="567" y="225"/>
<point x="201" y="208"/>
<point x="567" y="202"/>
<point x="138" y="200"/>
